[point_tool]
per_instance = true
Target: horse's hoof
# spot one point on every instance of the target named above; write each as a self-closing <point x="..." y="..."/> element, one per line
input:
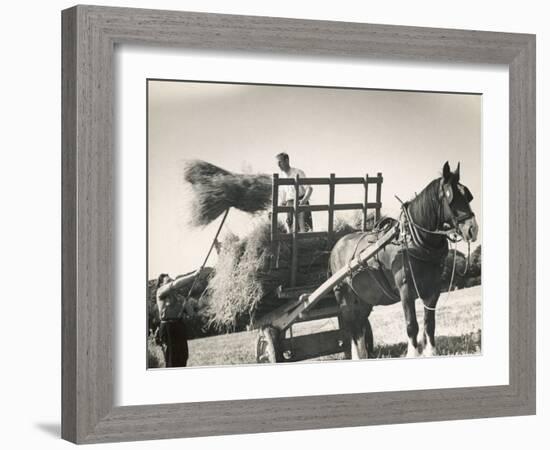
<point x="429" y="351"/>
<point x="412" y="352"/>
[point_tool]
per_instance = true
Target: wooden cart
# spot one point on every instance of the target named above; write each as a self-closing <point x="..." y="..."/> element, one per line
<point x="303" y="303"/>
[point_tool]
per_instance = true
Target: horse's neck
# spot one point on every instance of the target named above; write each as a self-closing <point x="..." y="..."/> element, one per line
<point x="424" y="211"/>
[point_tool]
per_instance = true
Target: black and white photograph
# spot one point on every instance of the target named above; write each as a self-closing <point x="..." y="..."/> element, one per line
<point x="305" y="223"/>
<point x="298" y="223"/>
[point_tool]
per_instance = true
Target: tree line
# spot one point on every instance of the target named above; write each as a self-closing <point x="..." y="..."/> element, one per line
<point x="466" y="275"/>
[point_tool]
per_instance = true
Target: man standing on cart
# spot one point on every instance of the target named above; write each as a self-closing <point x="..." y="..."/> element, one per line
<point x="288" y="194"/>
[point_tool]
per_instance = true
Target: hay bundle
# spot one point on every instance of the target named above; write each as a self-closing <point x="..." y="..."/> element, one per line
<point x="241" y="279"/>
<point x="216" y="190"/>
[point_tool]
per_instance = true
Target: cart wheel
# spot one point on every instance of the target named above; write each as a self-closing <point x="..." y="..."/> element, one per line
<point x="266" y="346"/>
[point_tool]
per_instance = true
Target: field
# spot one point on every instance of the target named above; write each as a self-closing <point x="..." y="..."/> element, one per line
<point x="458" y="332"/>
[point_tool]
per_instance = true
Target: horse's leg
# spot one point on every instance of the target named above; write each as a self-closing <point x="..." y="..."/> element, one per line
<point x="407" y="301"/>
<point x="342" y="326"/>
<point x="354" y="316"/>
<point x="369" y="339"/>
<point x="429" y="326"/>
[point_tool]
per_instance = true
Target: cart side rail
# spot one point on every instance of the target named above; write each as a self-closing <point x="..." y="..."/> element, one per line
<point x="330" y="207"/>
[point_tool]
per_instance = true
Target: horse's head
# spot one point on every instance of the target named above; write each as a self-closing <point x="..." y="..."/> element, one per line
<point x="456" y="198"/>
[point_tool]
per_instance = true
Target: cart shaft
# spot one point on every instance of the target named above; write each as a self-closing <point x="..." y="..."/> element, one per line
<point x="309" y="300"/>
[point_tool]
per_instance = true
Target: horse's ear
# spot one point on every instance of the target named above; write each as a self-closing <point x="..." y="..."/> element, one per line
<point x="457" y="172"/>
<point x="446" y="172"/>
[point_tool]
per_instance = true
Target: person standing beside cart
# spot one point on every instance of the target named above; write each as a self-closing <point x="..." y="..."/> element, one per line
<point x="172" y="333"/>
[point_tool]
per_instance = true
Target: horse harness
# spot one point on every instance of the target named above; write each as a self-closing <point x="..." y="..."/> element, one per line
<point x="375" y="271"/>
<point x="421" y="250"/>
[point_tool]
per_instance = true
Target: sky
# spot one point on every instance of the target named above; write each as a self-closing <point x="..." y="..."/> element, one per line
<point x="407" y="136"/>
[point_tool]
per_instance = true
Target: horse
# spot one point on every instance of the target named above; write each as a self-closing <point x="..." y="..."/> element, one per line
<point x="408" y="268"/>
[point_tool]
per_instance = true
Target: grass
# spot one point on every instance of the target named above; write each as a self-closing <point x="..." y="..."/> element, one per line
<point x="155" y="357"/>
<point x="458" y="332"/>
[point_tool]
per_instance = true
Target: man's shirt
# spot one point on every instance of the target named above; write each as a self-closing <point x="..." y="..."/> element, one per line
<point x="287" y="193"/>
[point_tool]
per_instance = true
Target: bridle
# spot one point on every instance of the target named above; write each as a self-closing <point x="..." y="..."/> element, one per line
<point x="445" y="202"/>
<point x="449" y="230"/>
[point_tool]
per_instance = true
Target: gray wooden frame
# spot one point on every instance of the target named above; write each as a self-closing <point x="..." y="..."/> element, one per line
<point x="89" y="36"/>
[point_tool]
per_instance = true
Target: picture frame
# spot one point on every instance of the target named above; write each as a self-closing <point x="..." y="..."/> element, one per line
<point x="89" y="37"/>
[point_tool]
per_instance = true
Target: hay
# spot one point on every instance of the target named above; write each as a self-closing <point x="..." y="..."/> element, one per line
<point x="216" y="190"/>
<point x="241" y="279"/>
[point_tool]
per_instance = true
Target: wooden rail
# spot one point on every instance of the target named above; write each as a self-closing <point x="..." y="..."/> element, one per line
<point x="338" y="207"/>
<point x="295" y="235"/>
<point x="326" y="181"/>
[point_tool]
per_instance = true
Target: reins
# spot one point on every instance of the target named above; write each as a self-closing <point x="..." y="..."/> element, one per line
<point x="429" y="308"/>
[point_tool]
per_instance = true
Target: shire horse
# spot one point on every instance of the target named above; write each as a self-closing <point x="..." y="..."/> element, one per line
<point x="408" y="268"/>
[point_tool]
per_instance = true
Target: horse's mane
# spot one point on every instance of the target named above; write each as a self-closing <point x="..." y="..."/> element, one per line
<point x="424" y="208"/>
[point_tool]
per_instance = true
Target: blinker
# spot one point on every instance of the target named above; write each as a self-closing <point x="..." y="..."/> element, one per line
<point x="466" y="192"/>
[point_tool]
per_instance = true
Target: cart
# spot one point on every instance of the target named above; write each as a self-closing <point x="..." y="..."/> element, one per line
<point x="307" y="302"/>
